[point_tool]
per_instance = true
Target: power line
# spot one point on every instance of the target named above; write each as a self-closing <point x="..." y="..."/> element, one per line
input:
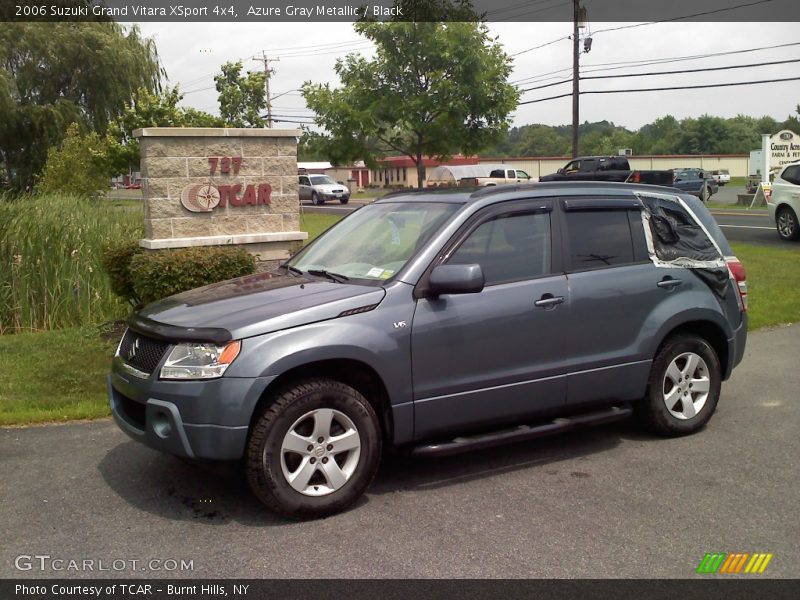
<point x="550" y="43"/>
<point x="664" y="89"/>
<point x="295" y="51"/>
<point x="672" y="19"/>
<point x="367" y="46"/>
<point x="526" y="4"/>
<point x="652" y="73"/>
<point x="763" y="64"/>
<point x="526" y="13"/>
<point x="700" y="14"/>
<point x="649" y="61"/>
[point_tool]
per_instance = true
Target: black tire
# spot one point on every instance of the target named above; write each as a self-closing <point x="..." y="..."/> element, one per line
<point x="653" y="411"/>
<point x="704" y="195"/>
<point x="786" y="224"/>
<point x="344" y="200"/>
<point x="315" y="199"/>
<point x="265" y="461"/>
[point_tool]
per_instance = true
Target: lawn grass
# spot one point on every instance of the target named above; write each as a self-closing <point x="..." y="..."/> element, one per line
<point x="773" y="281"/>
<point x="54" y="375"/>
<point x="370" y="193"/>
<point x="316" y="223"/>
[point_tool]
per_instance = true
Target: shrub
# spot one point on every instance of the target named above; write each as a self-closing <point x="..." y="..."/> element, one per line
<point x="156" y="275"/>
<point x="116" y="259"/>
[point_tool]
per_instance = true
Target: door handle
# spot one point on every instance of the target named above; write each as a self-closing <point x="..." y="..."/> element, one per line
<point x="548" y="301"/>
<point x="669" y="283"/>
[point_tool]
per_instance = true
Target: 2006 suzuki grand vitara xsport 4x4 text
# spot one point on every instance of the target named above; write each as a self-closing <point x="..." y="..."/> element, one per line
<point x="437" y="322"/>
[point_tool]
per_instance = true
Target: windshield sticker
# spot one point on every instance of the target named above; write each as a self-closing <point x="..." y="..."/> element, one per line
<point x="386" y="274"/>
<point x="375" y="272"/>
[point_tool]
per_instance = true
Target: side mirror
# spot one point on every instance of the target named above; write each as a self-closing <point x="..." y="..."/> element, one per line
<point x="456" y="279"/>
<point x="560" y="171"/>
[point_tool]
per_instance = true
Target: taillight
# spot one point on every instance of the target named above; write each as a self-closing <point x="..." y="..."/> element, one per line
<point x="736" y="269"/>
<point x="636" y="177"/>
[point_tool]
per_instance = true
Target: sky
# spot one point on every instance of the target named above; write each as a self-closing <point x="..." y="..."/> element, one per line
<point x="192" y="53"/>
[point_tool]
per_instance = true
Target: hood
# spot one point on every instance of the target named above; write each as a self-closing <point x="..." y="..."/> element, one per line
<point x="251" y="305"/>
<point x="329" y="188"/>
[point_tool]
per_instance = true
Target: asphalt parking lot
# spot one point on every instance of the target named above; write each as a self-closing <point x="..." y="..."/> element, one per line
<point x="604" y="502"/>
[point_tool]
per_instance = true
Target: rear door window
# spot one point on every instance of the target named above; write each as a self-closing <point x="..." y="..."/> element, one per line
<point x="603" y="238"/>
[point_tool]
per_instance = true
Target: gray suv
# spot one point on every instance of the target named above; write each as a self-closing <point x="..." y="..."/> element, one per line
<point x="439" y="322"/>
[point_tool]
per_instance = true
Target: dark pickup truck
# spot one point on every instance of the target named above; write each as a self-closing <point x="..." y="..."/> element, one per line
<point x="607" y="168"/>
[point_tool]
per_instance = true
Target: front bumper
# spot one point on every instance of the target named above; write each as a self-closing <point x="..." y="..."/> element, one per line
<point x="195" y="419"/>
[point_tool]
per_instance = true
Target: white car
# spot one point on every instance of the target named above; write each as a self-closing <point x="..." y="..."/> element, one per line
<point x="784" y="202"/>
<point x="319" y="188"/>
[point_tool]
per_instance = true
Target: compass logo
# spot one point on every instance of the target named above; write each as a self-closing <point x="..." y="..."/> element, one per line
<point x="200" y="197"/>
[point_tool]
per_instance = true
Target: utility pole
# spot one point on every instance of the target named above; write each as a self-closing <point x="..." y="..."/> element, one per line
<point x="579" y="21"/>
<point x="267" y="73"/>
<point x="575" y="76"/>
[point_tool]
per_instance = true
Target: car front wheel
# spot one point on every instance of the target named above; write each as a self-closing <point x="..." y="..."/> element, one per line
<point x="786" y="222"/>
<point x="315" y="199"/>
<point x="314" y="450"/>
<point x="684" y="386"/>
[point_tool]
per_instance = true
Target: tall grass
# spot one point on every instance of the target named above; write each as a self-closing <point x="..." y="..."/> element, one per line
<point x="50" y="271"/>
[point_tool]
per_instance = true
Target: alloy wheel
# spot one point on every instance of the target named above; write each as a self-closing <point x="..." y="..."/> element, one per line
<point x="786" y="224"/>
<point x="320" y="452"/>
<point x="686" y="385"/>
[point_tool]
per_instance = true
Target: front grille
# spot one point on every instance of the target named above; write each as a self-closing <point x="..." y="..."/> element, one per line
<point x="142" y="352"/>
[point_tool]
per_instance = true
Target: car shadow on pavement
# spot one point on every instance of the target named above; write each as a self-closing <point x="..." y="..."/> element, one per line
<point x="182" y="490"/>
<point x="217" y="493"/>
<point x="539" y="457"/>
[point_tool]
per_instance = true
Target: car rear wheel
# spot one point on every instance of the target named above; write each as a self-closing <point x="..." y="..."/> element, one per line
<point x="786" y="222"/>
<point x="704" y="194"/>
<point x="683" y="389"/>
<point x="314" y="450"/>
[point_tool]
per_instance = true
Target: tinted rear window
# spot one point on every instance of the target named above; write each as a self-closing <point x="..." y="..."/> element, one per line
<point x="599" y="239"/>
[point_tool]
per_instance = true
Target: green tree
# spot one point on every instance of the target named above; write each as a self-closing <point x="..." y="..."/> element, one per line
<point x="151" y="109"/>
<point x="242" y="99"/>
<point x="541" y="140"/>
<point x="433" y="89"/>
<point x="78" y="166"/>
<point x="54" y="74"/>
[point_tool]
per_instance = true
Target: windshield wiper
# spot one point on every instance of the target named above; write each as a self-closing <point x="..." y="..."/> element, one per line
<point x="337" y="277"/>
<point x="291" y="269"/>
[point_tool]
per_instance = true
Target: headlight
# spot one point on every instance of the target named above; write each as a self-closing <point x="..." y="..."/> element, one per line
<point x="199" y="361"/>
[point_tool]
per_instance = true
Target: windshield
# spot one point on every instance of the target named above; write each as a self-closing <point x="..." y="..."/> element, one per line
<point x="321" y="179"/>
<point x="376" y="241"/>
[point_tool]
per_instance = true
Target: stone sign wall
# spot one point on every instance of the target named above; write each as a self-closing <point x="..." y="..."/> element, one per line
<point x="209" y="187"/>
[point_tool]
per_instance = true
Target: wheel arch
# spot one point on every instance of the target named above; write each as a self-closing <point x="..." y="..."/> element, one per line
<point x="355" y="373"/>
<point x="711" y="332"/>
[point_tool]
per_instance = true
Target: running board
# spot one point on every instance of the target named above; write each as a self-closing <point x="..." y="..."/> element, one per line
<point x="523" y="432"/>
